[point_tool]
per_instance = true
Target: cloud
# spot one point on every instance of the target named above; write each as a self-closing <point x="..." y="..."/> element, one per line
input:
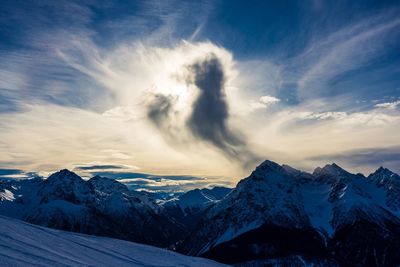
<point x="267" y="100"/>
<point x="334" y="115"/>
<point x="160" y="110"/>
<point x="367" y="118"/>
<point x="388" y="105"/>
<point x="206" y="114"/>
<point x="264" y="102"/>
<point x="122" y="113"/>
<point x="337" y="52"/>
<point x="10" y="171"/>
<point x="16" y="174"/>
<point x="128" y="89"/>
<point x="208" y="120"/>
<point x="100" y="167"/>
<point x="168" y="183"/>
<point x="172" y="185"/>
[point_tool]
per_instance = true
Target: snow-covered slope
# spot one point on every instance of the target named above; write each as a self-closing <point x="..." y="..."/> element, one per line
<point x="23" y="244"/>
<point x="390" y="183"/>
<point x="280" y="211"/>
<point x="99" y="206"/>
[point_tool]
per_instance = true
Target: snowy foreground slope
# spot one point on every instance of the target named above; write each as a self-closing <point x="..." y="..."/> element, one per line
<point x="24" y="244"/>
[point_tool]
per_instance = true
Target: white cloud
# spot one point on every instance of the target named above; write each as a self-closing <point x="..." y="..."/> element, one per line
<point x="268" y="100"/>
<point x="388" y="105"/>
<point x="264" y="102"/>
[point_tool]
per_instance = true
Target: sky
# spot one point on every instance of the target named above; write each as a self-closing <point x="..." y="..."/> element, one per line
<point x="182" y="94"/>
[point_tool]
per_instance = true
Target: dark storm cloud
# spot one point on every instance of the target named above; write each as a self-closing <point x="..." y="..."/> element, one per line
<point x="208" y="120"/>
<point x="99" y="167"/>
<point x="210" y="110"/>
<point x="208" y="117"/>
<point x="160" y="108"/>
<point x="161" y="112"/>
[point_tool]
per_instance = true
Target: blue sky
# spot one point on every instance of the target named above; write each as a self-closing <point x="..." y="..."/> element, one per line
<point x="303" y="83"/>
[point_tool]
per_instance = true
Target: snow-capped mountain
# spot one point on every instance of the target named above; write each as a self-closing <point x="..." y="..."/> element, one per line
<point x="390" y="182"/>
<point x="188" y="207"/>
<point x="24" y="244"/>
<point x="331" y="216"/>
<point x="276" y="216"/>
<point x="99" y="206"/>
<point x="197" y="200"/>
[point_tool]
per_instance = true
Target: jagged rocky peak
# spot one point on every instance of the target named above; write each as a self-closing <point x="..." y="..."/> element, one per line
<point x="383" y="173"/>
<point x="330" y="169"/>
<point x="333" y="173"/>
<point x="390" y="181"/>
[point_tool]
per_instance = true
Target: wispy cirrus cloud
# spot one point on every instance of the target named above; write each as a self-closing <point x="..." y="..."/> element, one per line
<point x="348" y="48"/>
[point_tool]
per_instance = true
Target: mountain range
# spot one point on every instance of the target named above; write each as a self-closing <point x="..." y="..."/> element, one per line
<point x="99" y="206"/>
<point x="330" y="217"/>
<point x="276" y="216"/>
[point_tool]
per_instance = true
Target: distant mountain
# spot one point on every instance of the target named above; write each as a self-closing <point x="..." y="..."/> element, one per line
<point x="99" y="206"/>
<point x="23" y="244"/>
<point x="280" y="214"/>
<point x="188" y="207"/>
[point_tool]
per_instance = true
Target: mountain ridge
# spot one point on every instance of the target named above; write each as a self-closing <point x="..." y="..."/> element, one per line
<point x="343" y="218"/>
<point x="330" y="205"/>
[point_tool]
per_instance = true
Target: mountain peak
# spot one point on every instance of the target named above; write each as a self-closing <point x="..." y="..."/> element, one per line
<point x="382" y="170"/>
<point x="329" y="169"/>
<point x="269" y="165"/>
<point x="64" y="174"/>
<point x="382" y="173"/>
<point x="64" y="185"/>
